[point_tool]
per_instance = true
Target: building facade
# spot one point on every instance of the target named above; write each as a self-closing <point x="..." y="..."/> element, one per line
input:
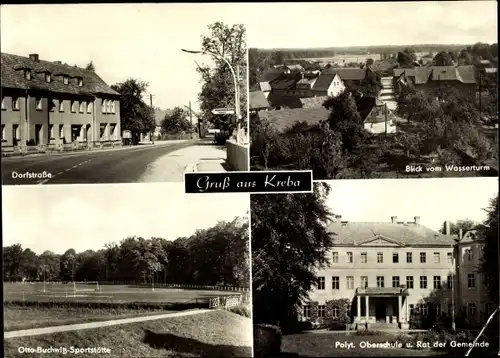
<point x="388" y="271"/>
<point x="50" y="103"/>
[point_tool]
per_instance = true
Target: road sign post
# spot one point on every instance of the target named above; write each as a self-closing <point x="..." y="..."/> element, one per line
<point x="219" y="111"/>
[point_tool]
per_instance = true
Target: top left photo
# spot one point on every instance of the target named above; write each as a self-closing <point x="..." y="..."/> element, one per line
<point x="125" y="93"/>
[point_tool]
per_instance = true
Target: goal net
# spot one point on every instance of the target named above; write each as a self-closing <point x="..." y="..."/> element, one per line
<point x="88" y="286"/>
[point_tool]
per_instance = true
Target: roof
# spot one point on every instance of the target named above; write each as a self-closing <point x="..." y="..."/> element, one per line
<point x="11" y="78"/>
<point x="422" y="75"/>
<point x="307" y="81"/>
<point x="265" y="86"/>
<point x="324" y="81"/>
<point x="313" y="102"/>
<point x="287" y="118"/>
<point x="278" y="100"/>
<point x="258" y="100"/>
<point x="295" y="67"/>
<point x="270" y="74"/>
<point x="285" y="82"/>
<point x="397" y="234"/>
<point x="357" y="74"/>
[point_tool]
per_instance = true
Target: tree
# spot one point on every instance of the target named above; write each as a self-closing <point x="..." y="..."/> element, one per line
<point x="491" y="250"/>
<point x="90" y="67"/>
<point x="67" y="265"/>
<point x="442" y="58"/>
<point x="135" y="114"/>
<point x="289" y="241"/>
<point x="464" y="57"/>
<point x="465" y="225"/>
<point x="176" y="121"/>
<point x="217" y="83"/>
<point x="12" y="257"/>
<point x="406" y="58"/>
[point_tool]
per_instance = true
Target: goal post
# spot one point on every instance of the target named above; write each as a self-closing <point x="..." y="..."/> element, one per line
<point x="86" y="286"/>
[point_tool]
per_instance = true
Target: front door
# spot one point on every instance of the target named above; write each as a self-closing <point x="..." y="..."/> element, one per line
<point x="38" y="134"/>
<point x="380" y="310"/>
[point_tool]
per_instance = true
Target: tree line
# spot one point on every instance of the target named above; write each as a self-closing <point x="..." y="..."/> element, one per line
<point x="215" y="256"/>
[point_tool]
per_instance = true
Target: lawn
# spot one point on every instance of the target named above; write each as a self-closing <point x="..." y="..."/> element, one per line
<point x="328" y="345"/>
<point x="214" y="334"/>
<point x="16" y="318"/>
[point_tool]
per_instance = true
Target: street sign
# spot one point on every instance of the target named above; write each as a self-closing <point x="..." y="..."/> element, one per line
<point x="222" y="111"/>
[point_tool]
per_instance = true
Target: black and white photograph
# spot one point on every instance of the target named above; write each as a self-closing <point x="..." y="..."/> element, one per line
<point x="381" y="90"/>
<point x="377" y="268"/>
<point x="125" y="270"/>
<point x="122" y="93"/>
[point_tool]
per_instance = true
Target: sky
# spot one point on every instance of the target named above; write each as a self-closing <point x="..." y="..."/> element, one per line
<point x="60" y="217"/>
<point x="145" y="40"/>
<point x="434" y="200"/>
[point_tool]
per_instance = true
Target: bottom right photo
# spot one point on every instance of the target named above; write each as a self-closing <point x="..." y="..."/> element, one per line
<point x="377" y="268"/>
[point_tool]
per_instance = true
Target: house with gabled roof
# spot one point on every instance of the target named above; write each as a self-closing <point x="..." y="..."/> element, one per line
<point x="328" y="84"/>
<point x="50" y="103"/>
<point x="351" y="77"/>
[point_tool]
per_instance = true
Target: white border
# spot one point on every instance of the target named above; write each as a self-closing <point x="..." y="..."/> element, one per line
<point x="257" y="192"/>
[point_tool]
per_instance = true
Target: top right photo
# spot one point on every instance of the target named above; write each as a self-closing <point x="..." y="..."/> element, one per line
<point x="376" y="90"/>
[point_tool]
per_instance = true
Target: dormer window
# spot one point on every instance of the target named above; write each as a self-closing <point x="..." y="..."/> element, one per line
<point x="65" y="80"/>
<point x="80" y="81"/>
<point x="48" y="77"/>
<point x="27" y="74"/>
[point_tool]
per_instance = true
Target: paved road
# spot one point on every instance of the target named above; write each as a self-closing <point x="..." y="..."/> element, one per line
<point x="124" y="165"/>
<point x="91" y="325"/>
<point x="387" y="93"/>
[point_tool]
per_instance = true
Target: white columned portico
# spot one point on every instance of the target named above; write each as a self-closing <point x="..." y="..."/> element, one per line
<point x="358" y="318"/>
<point x="400" y="308"/>
<point x="367" y="305"/>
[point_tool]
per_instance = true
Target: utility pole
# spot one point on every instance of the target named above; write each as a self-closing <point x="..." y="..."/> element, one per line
<point x="480" y="91"/>
<point x="152" y="111"/>
<point x="237" y="104"/>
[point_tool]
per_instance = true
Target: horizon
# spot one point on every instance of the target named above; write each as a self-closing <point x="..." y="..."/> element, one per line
<point x="327" y="48"/>
<point x="43" y="217"/>
<point x="366" y="200"/>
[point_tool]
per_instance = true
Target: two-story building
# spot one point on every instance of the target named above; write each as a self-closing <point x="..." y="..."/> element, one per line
<point x="50" y="103"/>
<point x="386" y="271"/>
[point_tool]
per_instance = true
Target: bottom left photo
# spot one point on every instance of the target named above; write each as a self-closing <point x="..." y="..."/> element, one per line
<point x="132" y="270"/>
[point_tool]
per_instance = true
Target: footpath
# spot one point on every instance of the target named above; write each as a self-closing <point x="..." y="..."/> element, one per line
<point x="92" y="325"/>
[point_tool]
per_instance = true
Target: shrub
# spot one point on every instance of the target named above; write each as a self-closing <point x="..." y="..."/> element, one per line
<point x="242" y="310"/>
<point x="222" y="137"/>
<point x="267" y="340"/>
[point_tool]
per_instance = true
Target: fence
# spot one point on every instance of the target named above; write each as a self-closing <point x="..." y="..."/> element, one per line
<point x="237" y="156"/>
<point x="57" y="148"/>
<point x="226" y="302"/>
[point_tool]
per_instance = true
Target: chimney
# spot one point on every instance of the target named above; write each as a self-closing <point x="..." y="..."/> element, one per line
<point x="34" y="57"/>
<point x="447" y="228"/>
<point x="58" y="62"/>
<point x="416" y="219"/>
<point x="394" y="219"/>
<point x="460" y="234"/>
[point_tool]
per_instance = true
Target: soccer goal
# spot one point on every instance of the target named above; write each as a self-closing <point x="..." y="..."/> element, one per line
<point x="78" y="288"/>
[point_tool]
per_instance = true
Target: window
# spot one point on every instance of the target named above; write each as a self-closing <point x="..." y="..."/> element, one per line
<point x="424" y="309"/>
<point x="423" y="281"/>
<point x="61" y="130"/>
<point x="51" y="131"/>
<point x="82" y="107"/>
<point x="380" y="257"/>
<point x="469" y="254"/>
<point x="411" y="308"/>
<point x="450" y="257"/>
<point x="437" y="307"/>
<point x="61" y="105"/>
<point x="380" y="281"/>
<point x="16" y="132"/>
<point x="103" y="106"/>
<point x="15" y="103"/>
<point x="80" y="81"/>
<point x="321" y="311"/>
<point x="73" y="106"/>
<point x="335" y="257"/>
<point x="52" y="105"/>
<point x="27" y="74"/>
<point x="48" y="78"/>
<point x="437" y="258"/>
<point x="364" y="281"/>
<point x="471" y="308"/>
<point x="409" y="281"/>
<point x="335" y="283"/>
<point x="364" y="258"/>
<point x="3" y="103"/>
<point x="409" y="257"/>
<point x="349" y="257"/>
<point x="65" y="80"/>
<point x="350" y="282"/>
<point x="423" y="258"/>
<point x="336" y="311"/>
<point x="471" y="280"/>
<point x="39" y="104"/>
<point x="112" y="128"/>
<point x="113" y="107"/>
<point x="3" y="133"/>
<point x="449" y="281"/>
<point x="395" y="281"/>
<point x="321" y="283"/>
<point x="395" y="258"/>
<point x="437" y="282"/>
<point x="306" y="311"/>
<point x="108" y="106"/>
<point x="89" y="107"/>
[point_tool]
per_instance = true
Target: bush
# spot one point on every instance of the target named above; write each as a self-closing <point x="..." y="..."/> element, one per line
<point x="222" y="137"/>
<point x="242" y="310"/>
<point x="267" y="340"/>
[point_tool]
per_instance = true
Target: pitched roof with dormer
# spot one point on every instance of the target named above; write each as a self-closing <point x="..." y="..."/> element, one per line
<point x="13" y="77"/>
<point x="387" y="233"/>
